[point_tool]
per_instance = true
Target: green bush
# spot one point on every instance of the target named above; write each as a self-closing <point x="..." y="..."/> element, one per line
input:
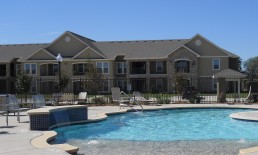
<point x="163" y="101"/>
<point x="99" y="100"/>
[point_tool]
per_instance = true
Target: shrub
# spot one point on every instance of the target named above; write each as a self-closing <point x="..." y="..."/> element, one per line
<point x="163" y="101"/>
<point x="99" y="100"/>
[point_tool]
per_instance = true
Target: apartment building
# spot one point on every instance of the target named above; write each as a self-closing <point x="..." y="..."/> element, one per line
<point x="142" y="65"/>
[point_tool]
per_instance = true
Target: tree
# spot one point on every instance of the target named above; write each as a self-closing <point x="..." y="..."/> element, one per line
<point x="23" y="83"/>
<point x="251" y="68"/>
<point x="63" y="82"/>
<point x="180" y="82"/>
<point x="94" y="79"/>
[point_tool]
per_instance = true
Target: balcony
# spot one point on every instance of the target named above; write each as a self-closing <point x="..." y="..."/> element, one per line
<point x="138" y="68"/>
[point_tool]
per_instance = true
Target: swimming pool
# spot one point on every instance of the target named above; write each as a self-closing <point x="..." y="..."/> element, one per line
<point x="165" y="126"/>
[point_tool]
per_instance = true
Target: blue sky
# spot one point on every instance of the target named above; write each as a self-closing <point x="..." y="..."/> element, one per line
<point x="231" y="24"/>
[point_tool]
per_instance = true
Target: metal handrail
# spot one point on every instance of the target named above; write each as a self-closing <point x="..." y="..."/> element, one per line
<point x="134" y="101"/>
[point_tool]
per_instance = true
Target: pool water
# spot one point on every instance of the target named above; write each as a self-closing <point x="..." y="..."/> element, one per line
<point x="177" y="127"/>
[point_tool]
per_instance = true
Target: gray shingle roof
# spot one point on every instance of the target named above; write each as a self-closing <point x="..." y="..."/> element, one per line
<point x="229" y="73"/>
<point x="9" y="52"/>
<point x="145" y="49"/>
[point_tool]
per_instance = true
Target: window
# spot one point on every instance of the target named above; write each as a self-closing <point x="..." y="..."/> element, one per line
<point x="159" y="66"/>
<point x="80" y="69"/>
<point x="216" y="64"/>
<point x="48" y="69"/>
<point x="121" y="84"/>
<point x="17" y="68"/>
<point x="33" y="87"/>
<point x="214" y="84"/>
<point x="159" y="84"/>
<point x="182" y="66"/>
<point x="30" y="69"/>
<point x="3" y="70"/>
<point x="102" y="67"/>
<point x="121" y="67"/>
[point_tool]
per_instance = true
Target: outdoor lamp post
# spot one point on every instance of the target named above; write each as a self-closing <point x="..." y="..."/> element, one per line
<point x="59" y="59"/>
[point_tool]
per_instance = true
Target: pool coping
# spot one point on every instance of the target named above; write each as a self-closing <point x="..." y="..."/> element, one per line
<point x="42" y="140"/>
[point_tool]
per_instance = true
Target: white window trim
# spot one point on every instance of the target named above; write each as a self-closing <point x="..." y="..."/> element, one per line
<point x="30" y="68"/>
<point x="162" y="66"/>
<point x="123" y="67"/>
<point x="102" y="66"/>
<point x="213" y="63"/>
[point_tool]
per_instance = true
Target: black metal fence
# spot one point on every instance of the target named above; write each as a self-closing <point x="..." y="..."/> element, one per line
<point x="196" y="90"/>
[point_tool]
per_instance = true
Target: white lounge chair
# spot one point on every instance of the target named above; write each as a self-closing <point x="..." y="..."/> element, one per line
<point x="248" y="99"/>
<point x="139" y="97"/>
<point x="82" y="97"/>
<point x="116" y="97"/>
<point x="67" y="98"/>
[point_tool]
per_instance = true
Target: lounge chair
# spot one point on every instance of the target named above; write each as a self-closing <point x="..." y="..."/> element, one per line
<point x="67" y="98"/>
<point x="139" y="97"/>
<point x="38" y="101"/>
<point x="81" y="98"/>
<point x="248" y="99"/>
<point x="116" y="97"/>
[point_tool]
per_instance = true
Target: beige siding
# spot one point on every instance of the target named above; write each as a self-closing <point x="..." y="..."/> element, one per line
<point x="67" y="49"/>
<point x="205" y="49"/>
<point x="205" y="66"/>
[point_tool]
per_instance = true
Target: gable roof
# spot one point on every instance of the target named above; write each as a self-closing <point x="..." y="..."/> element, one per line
<point x="183" y="46"/>
<point x="45" y="52"/>
<point x="229" y="73"/>
<point x="144" y="49"/>
<point x="223" y="50"/>
<point x="139" y="49"/>
<point x="21" y="51"/>
<point x="88" y="42"/>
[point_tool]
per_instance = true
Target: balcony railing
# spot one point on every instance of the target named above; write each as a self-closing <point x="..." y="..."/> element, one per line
<point x="138" y="71"/>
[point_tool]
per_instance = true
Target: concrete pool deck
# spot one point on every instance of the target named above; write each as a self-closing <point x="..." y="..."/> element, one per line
<point x="16" y="139"/>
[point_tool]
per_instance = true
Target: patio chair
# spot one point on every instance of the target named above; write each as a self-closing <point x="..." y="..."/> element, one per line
<point x="81" y="98"/>
<point x="139" y="97"/>
<point x="116" y="97"/>
<point x="38" y="101"/>
<point x="12" y="105"/>
<point x="248" y="99"/>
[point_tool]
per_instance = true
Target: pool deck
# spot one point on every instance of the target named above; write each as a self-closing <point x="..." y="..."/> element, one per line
<point x="17" y="138"/>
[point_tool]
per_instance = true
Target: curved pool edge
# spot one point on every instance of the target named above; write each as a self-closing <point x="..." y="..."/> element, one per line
<point x="42" y="141"/>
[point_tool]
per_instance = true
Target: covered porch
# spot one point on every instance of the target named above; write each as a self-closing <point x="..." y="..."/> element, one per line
<point x="225" y="76"/>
